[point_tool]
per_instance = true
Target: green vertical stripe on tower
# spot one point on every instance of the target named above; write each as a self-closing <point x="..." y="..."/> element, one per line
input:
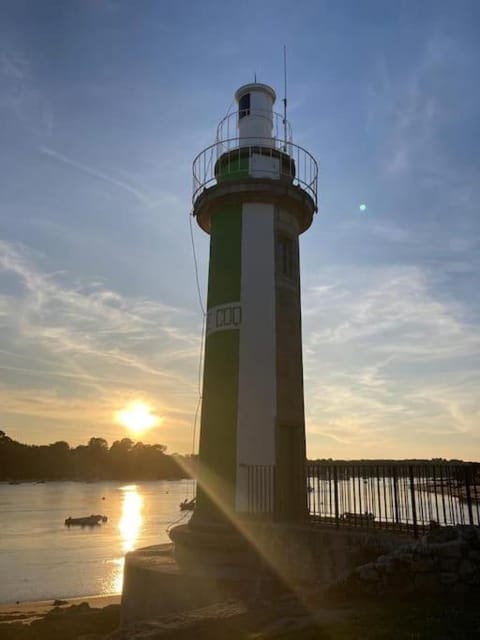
<point x="218" y="439"/>
<point x="225" y="256"/>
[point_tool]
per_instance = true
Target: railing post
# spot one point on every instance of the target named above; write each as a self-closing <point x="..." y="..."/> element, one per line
<point x="272" y="491"/>
<point x="395" y="494"/>
<point x="468" y="493"/>
<point x="414" y="506"/>
<point x="335" y="495"/>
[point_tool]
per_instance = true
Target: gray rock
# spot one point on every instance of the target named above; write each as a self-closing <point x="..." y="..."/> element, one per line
<point x="368" y="573"/>
<point x="470" y="534"/>
<point x="449" y="550"/>
<point x="450" y="565"/>
<point x="474" y="556"/>
<point x="467" y="567"/>
<point x="423" y="565"/>
<point x="427" y="583"/>
<point x="448" y="578"/>
<point x="442" y="534"/>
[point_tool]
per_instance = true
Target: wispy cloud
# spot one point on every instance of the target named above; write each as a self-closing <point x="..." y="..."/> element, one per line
<point x="413" y="108"/>
<point x="99" y="175"/>
<point x="92" y="343"/>
<point x="386" y="362"/>
<point x="21" y="94"/>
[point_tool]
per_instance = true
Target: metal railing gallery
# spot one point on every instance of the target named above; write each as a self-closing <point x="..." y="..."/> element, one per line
<point x="401" y="496"/>
<point x="226" y="159"/>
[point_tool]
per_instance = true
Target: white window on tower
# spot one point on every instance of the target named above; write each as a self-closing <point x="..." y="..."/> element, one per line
<point x="244" y="106"/>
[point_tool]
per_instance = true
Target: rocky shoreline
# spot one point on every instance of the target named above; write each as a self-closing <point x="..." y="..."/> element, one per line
<point x="305" y="616"/>
<point x="60" y="622"/>
<point x="425" y="590"/>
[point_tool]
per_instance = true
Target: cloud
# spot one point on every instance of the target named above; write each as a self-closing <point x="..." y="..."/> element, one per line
<point x="22" y="98"/>
<point x="92" y="171"/>
<point x="88" y="344"/>
<point x="394" y="302"/>
<point x="388" y="363"/>
<point x="413" y="110"/>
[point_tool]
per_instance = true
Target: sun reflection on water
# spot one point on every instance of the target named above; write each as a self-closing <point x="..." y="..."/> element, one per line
<point x="117" y="578"/>
<point x="129" y="527"/>
<point x="131" y="520"/>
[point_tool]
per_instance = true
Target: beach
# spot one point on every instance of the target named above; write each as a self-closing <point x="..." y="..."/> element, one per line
<point x="29" y="611"/>
<point x="95" y="617"/>
<point x="98" y="618"/>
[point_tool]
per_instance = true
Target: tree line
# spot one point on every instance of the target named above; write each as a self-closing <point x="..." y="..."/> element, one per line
<point x="123" y="460"/>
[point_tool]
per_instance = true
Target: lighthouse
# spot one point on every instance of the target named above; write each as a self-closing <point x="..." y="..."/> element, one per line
<point x="254" y="193"/>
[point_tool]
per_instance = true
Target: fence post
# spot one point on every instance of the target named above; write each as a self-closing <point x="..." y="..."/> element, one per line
<point x="468" y="493"/>
<point x="335" y="494"/>
<point x="395" y="495"/>
<point x="414" y="506"/>
<point x="273" y="489"/>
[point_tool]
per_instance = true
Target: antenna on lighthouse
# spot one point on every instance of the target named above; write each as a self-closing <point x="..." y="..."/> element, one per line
<point x="285" y="95"/>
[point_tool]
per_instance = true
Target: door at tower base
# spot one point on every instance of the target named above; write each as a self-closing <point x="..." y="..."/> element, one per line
<point x="290" y="494"/>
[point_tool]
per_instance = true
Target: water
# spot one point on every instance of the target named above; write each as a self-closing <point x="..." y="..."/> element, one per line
<point x="376" y="496"/>
<point x="41" y="558"/>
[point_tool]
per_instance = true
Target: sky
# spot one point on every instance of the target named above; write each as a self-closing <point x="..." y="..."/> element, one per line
<point x="103" y="106"/>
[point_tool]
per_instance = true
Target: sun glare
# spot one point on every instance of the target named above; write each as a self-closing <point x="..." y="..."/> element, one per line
<point x="137" y="417"/>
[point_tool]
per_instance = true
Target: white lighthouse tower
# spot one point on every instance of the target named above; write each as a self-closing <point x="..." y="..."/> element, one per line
<point x="254" y="193"/>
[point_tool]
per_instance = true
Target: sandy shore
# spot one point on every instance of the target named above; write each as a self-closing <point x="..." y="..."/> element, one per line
<point x="28" y="611"/>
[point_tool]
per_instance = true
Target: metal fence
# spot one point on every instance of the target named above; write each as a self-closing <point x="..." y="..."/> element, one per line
<point x="260" y="489"/>
<point x="409" y="497"/>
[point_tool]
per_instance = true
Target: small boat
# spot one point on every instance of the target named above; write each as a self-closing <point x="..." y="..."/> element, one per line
<point x="358" y="518"/>
<point x="187" y="505"/>
<point x="86" y="521"/>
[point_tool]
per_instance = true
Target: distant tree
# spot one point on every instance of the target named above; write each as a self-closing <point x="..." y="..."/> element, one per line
<point x="99" y="444"/>
<point x="59" y="460"/>
<point x="125" y="460"/>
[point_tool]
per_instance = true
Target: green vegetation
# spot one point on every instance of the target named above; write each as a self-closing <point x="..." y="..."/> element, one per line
<point x="124" y="460"/>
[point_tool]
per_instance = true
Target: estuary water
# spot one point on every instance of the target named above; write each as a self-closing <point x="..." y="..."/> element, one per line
<point x="41" y="558"/>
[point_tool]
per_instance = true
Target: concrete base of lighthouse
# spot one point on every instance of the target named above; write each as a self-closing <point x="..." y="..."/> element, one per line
<point x="202" y="568"/>
<point x="155" y="585"/>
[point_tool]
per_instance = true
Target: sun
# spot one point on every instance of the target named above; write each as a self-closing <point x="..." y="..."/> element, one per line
<point x="137" y="417"/>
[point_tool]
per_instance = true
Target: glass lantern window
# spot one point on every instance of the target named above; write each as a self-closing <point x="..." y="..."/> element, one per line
<point x="244" y="106"/>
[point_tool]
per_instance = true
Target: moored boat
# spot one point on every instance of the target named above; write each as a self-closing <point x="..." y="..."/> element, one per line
<point x="358" y="518"/>
<point x="187" y="505"/>
<point x="86" y="521"/>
